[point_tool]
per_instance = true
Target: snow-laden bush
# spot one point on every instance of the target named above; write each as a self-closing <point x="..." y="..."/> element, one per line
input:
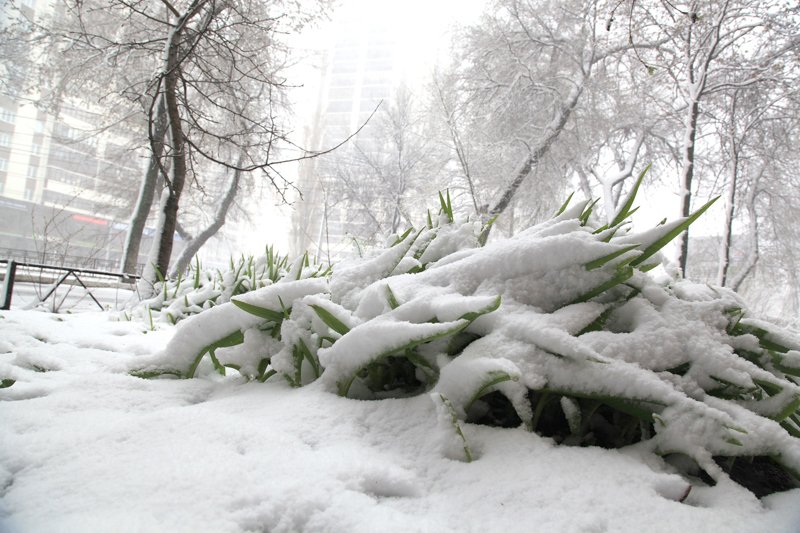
<point x="202" y="288"/>
<point x="563" y="329"/>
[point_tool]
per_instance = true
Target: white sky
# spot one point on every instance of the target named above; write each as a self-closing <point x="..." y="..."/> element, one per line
<point x="423" y="32"/>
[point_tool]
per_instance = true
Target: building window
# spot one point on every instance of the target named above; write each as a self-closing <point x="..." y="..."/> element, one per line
<point x="30" y="188"/>
<point x="5" y="139"/>
<point x="39" y="126"/>
<point x="3" y="164"/>
<point x="36" y="149"/>
<point x="6" y="115"/>
<point x="339" y="106"/>
<point x="33" y="171"/>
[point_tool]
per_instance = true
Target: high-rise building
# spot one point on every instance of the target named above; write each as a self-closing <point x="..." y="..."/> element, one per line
<point x="359" y="70"/>
<point x="378" y="51"/>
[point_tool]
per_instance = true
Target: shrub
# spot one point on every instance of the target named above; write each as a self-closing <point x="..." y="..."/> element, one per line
<point x="200" y="288"/>
<point x="576" y="330"/>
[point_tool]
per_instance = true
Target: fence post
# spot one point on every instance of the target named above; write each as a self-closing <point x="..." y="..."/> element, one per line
<point x="8" y="285"/>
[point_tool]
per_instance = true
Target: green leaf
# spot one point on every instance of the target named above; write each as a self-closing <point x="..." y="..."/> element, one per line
<point x="331" y="321"/>
<point x="456" y="426"/>
<point x="493" y="377"/>
<point x="262" y="365"/>
<point x="261" y="312"/>
<point x="587" y="212"/>
<point x="642" y="409"/>
<point x="446" y="206"/>
<point x="266" y="376"/>
<point x="402" y="237"/>
<point x="343" y="385"/>
<point x="6" y="383"/>
<point x="625" y="211"/>
<point x="622" y="275"/>
<point x="390" y="298"/>
<point x="420" y="362"/>
<point x="308" y="356"/>
<point x="791" y="428"/>
<point x="483" y="236"/>
<point x="159" y="275"/>
<point x="197" y="272"/>
<point x="598" y="323"/>
<point x="149" y="374"/>
<point x="565" y="204"/>
<point x="789" y="409"/>
<point x="572" y="412"/>
<point x="770" y="388"/>
<point x="674" y="232"/>
<point x="541" y="403"/>
<point x="597" y="263"/>
<point x="634" y="408"/>
<point x="237" y="337"/>
<point x="472" y="315"/>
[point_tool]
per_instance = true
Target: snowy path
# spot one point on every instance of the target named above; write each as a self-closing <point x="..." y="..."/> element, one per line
<point x="86" y="448"/>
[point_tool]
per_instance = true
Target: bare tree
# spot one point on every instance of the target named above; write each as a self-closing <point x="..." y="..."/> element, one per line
<point x="385" y="177"/>
<point x="207" y="55"/>
<point x="711" y="48"/>
<point x="524" y="74"/>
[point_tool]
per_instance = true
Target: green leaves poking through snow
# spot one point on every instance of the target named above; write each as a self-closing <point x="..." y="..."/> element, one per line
<point x="446" y="207"/>
<point x="565" y="204"/>
<point x="620" y="276"/>
<point x="494" y="305"/>
<point x="450" y="426"/>
<point x="466" y="380"/>
<point x="369" y="344"/>
<point x="627" y="209"/>
<point x="668" y="232"/>
<point x="177" y="299"/>
<point x="331" y="321"/>
<point x="599" y="262"/>
<point x="237" y="337"/>
<point x="261" y="312"/>
<point x="506" y="335"/>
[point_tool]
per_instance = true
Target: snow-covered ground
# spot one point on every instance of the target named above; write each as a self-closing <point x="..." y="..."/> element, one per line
<point x="84" y="447"/>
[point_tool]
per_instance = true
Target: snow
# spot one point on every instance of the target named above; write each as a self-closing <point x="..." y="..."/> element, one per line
<point x="373" y="340"/>
<point x="86" y="447"/>
<point x="681" y="367"/>
<point x="222" y="320"/>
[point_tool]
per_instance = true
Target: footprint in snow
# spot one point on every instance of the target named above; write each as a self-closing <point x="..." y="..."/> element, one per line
<point x="388" y="483"/>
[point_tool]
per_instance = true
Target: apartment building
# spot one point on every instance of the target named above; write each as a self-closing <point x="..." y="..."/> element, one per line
<point x="66" y="184"/>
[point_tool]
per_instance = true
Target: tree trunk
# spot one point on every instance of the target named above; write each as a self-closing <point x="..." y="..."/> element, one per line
<point x="687" y="174"/>
<point x="161" y="250"/>
<point x="194" y="245"/>
<point x="553" y="130"/>
<point x="178" y="178"/>
<point x="730" y="200"/>
<point x="753" y="252"/>
<point x="147" y="191"/>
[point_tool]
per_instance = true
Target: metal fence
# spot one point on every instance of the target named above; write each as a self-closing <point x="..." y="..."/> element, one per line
<point x="63" y="260"/>
<point x="60" y="274"/>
